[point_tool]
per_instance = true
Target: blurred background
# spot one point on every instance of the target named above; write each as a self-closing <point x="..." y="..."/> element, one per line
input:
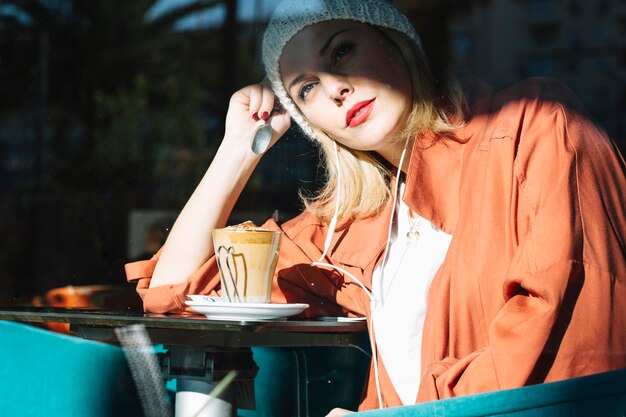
<point x="111" y="111"/>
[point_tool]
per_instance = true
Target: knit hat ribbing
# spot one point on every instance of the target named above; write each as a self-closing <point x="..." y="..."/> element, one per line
<point x="291" y="16"/>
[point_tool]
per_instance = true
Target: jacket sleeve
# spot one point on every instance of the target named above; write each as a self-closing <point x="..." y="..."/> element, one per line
<point x="564" y="287"/>
<point x="171" y="298"/>
<point x="295" y="280"/>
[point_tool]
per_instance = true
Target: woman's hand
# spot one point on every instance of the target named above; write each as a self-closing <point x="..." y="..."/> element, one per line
<point x="248" y="109"/>
<point x="339" y="412"/>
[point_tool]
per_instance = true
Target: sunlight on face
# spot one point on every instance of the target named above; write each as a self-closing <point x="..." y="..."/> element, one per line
<point x="350" y="81"/>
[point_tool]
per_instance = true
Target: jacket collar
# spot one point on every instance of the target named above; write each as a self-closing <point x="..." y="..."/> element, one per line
<point x="434" y="176"/>
<point x="366" y="240"/>
<point x="355" y="242"/>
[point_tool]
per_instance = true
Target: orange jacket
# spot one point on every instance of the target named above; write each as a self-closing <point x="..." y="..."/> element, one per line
<point x="532" y="287"/>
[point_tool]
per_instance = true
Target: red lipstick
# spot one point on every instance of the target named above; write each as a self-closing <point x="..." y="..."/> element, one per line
<point x="359" y="113"/>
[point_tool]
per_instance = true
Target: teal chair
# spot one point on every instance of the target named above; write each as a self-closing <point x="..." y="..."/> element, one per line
<point x="55" y="375"/>
<point x="601" y="395"/>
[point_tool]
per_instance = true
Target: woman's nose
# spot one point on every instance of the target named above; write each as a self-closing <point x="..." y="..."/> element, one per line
<point x="338" y="88"/>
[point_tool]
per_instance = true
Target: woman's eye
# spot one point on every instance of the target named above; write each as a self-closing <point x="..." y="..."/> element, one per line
<point x="304" y="90"/>
<point x="341" y="51"/>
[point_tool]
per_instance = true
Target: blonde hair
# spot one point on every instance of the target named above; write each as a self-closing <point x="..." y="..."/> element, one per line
<point x="366" y="177"/>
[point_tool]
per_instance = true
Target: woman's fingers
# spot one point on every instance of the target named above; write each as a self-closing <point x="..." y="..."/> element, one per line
<point x="268" y="103"/>
<point x="255" y="94"/>
<point x="260" y="99"/>
<point x="271" y="108"/>
<point x="248" y="107"/>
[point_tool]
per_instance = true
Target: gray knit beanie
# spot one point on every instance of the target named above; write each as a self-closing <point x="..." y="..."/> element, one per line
<point x="291" y="16"/>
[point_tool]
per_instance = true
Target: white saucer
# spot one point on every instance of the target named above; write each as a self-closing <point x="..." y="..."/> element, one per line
<point x="222" y="310"/>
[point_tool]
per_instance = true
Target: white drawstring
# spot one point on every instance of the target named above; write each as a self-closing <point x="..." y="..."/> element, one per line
<point x="370" y="326"/>
<point x="393" y="208"/>
<point x="327" y="242"/>
<point x="395" y="199"/>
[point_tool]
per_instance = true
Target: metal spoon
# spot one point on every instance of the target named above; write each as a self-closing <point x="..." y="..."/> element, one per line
<point x="262" y="138"/>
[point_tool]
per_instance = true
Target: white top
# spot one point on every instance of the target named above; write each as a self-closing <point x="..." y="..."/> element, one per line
<point x="400" y="288"/>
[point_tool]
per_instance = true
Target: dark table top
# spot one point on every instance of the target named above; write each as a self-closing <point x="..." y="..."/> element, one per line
<point x="194" y="330"/>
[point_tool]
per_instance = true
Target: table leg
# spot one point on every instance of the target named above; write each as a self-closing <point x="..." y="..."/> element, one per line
<point x="198" y="370"/>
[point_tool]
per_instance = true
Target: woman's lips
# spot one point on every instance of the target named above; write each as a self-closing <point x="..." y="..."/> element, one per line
<point x="359" y="113"/>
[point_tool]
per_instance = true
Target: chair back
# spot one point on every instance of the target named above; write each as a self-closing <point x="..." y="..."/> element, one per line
<point x="45" y="373"/>
<point x="594" y="395"/>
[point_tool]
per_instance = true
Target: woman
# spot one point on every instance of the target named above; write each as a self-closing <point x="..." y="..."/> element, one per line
<point x="495" y="229"/>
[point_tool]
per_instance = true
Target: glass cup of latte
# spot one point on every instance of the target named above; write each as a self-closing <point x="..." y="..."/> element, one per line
<point x="246" y="257"/>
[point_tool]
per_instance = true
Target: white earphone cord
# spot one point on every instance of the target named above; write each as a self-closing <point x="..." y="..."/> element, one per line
<point x="327" y="242"/>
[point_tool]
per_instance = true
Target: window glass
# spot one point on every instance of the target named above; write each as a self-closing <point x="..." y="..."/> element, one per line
<point x="110" y="113"/>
